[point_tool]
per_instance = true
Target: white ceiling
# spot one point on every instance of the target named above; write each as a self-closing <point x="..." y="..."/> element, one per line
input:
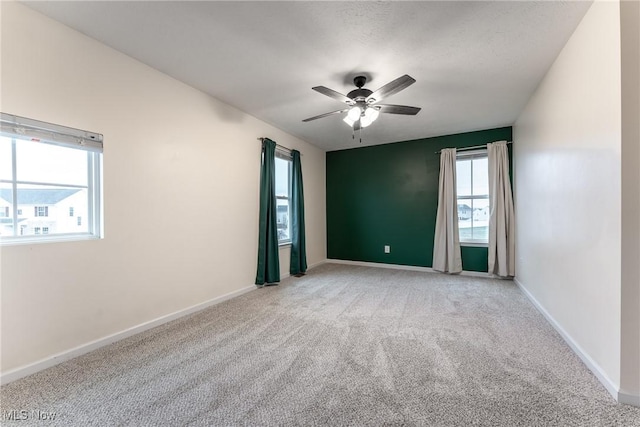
<point x="476" y="63"/>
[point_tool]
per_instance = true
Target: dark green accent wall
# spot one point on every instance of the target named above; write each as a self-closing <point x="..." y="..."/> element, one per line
<point x="388" y="195"/>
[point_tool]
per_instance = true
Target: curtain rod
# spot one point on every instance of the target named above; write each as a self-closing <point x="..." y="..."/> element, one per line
<point x="470" y="148"/>
<point x="278" y="145"/>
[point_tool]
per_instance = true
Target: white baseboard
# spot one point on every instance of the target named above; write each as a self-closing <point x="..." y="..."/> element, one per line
<point x="309" y="267"/>
<point x="629" y="399"/>
<point x="32" y="368"/>
<point x="403" y="267"/>
<point x="317" y="264"/>
<point x="21" y="372"/>
<point x="611" y="387"/>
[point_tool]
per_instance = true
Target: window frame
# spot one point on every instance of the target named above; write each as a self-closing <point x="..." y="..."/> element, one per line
<point x="286" y="156"/>
<point x="471" y="155"/>
<point x="17" y="129"/>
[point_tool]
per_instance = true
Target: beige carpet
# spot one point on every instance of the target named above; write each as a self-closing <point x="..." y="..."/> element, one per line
<point x="341" y="346"/>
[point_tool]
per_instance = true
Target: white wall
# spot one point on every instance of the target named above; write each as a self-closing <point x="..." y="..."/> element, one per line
<point x="181" y="178"/>
<point x="567" y="147"/>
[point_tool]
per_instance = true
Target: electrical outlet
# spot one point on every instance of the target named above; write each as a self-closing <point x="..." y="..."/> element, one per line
<point x="387" y="249"/>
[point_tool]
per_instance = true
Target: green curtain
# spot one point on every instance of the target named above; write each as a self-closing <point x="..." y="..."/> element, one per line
<point x="268" y="262"/>
<point x="298" y="262"/>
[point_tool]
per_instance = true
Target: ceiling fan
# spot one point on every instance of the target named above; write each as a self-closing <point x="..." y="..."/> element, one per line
<point x="363" y="107"/>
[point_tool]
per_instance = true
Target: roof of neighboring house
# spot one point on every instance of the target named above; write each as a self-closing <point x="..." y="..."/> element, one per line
<point x="464" y="206"/>
<point x="38" y="196"/>
<point x="282" y="208"/>
<point x="9" y="221"/>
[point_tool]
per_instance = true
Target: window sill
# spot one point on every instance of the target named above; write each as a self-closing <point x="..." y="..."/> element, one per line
<point x="475" y="244"/>
<point x="284" y="245"/>
<point x="16" y="241"/>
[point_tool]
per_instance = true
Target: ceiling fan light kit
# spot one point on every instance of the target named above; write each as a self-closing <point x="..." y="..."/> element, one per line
<point x="371" y="113"/>
<point x="354" y="113"/>
<point x="348" y="120"/>
<point x="363" y="103"/>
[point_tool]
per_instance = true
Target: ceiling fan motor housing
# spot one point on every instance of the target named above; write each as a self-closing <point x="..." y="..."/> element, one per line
<point x="360" y="94"/>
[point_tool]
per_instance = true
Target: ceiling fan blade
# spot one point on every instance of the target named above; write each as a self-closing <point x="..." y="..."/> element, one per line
<point x="391" y="88"/>
<point x="333" y="94"/>
<point x="325" y="115"/>
<point x="398" y="109"/>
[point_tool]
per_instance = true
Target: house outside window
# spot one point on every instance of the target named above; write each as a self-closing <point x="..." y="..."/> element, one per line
<point x="49" y="175"/>
<point x="472" y="187"/>
<point x="283" y="172"/>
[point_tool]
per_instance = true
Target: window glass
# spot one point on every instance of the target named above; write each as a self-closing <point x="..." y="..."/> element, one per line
<point x="480" y="220"/>
<point x="48" y="207"/>
<point x="283" y="189"/>
<point x="480" y="176"/>
<point x="472" y="186"/>
<point x="45" y="163"/>
<point x="6" y="205"/>
<point x="6" y="167"/>
<point x="463" y="177"/>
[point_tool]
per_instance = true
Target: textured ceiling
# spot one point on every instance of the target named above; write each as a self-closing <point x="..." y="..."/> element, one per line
<point x="476" y="63"/>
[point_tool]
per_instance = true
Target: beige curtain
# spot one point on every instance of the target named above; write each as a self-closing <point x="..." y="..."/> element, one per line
<point x="501" y="217"/>
<point x="446" y="245"/>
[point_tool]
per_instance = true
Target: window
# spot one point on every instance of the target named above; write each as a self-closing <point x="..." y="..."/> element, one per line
<point x="472" y="186"/>
<point x="4" y="212"/>
<point x="41" y="211"/>
<point x="50" y="173"/>
<point x="283" y="191"/>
